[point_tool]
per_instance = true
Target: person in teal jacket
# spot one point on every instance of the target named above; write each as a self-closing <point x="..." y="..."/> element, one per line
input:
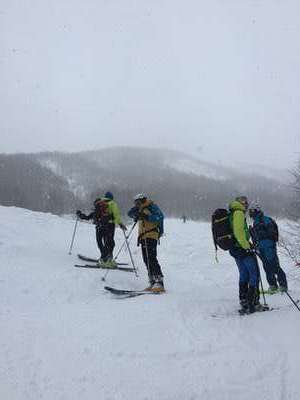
<point x="264" y="233"/>
<point x="244" y="256"/>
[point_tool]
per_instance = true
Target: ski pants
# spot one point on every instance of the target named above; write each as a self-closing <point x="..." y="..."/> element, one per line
<point x="271" y="264"/>
<point x="149" y="252"/>
<point x="248" y="276"/>
<point x="105" y="240"/>
<point x="248" y="270"/>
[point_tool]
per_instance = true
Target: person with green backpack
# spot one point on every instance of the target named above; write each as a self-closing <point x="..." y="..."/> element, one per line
<point x="231" y="232"/>
<point x="243" y="253"/>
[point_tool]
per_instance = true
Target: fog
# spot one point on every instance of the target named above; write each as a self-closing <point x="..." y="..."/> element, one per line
<point x="216" y="78"/>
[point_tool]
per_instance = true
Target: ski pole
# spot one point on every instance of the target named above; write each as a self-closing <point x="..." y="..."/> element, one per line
<point x="260" y="280"/>
<point x="128" y="236"/>
<point x="73" y="237"/>
<point x="262" y="290"/>
<point x="130" y="254"/>
<point x="107" y="272"/>
<point x="292" y="300"/>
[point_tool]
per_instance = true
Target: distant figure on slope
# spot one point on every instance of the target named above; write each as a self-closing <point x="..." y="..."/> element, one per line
<point x="264" y="233"/>
<point x="151" y="220"/>
<point x="244" y="256"/>
<point x="106" y="215"/>
<point x="184" y="218"/>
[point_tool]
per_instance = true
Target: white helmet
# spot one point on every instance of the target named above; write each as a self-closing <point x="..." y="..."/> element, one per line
<point x="139" y="196"/>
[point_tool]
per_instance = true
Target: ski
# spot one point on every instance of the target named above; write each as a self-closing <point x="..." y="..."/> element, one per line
<point x="264" y="309"/>
<point x="128" y="293"/>
<point x="269" y="292"/>
<point x="241" y="313"/>
<point x="95" y="266"/>
<point x="94" y="260"/>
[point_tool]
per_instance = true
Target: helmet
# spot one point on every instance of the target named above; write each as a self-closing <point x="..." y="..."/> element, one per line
<point x="139" y="196"/>
<point x="254" y="211"/>
<point x="109" y="195"/>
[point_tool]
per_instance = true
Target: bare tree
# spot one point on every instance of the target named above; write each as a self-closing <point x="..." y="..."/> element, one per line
<point x="290" y="241"/>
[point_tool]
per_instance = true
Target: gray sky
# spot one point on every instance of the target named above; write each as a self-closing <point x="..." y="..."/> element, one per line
<point x="218" y="75"/>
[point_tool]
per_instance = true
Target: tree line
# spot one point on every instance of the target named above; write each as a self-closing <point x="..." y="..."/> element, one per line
<point x="60" y="183"/>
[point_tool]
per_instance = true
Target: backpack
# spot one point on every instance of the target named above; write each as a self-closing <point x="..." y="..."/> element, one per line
<point x="272" y="228"/>
<point x="102" y="214"/>
<point x="154" y="209"/>
<point x="221" y="229"/>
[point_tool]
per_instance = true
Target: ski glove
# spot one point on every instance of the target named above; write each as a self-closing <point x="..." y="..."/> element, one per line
<point x="123" y="227"/>
<point x="250" y="252"/>
<point x="142" y="216"/>
<point x="79" y="214"/>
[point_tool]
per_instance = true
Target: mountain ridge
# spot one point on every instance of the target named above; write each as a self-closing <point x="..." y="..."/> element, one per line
<point x="182" y="183"/>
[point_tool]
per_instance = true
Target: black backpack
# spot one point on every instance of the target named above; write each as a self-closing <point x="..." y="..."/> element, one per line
<point x="221" y="229"/>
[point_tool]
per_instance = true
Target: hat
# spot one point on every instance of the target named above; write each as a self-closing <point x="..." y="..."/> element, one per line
<point x="109" y="195"/>
<point x="243" y="200"/>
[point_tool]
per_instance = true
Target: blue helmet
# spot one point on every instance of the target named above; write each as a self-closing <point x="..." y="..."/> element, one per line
<point x="109" y="195"/>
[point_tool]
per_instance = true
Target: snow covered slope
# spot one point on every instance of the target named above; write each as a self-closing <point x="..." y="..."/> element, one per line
<point x="64" y="338"/>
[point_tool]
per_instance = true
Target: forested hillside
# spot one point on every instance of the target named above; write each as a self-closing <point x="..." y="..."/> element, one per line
<point x="182" y="184"/>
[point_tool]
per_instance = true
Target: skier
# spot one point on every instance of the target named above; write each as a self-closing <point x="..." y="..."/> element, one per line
<point x="264" y="233"/>
<point x="244" y="256"/>
<point x="184" y="218"/>
<point x="106" y="215"/>
<point x="150" y="219"/>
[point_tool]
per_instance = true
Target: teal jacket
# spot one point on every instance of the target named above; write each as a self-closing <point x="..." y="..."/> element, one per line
<point x="239" y="224"/>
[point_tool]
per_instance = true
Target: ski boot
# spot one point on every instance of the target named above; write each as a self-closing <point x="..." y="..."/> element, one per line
<point x="283" y="289"/>
<point x="243" y="290"/>
<point x="111" y="263"/>
<point x="100" y="262"/>
<point x="272" y="290"/>
<point x="151" y="283"/>
<point x="261" y="307"/>
<point x="158" y="286"/>
<point x="251" y="297"/>
<point x="244" y="306"/>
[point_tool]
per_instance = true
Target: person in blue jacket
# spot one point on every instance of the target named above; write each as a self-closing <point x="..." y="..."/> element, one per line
<point x="264" y="233"/>
<point x="151" y="227"/>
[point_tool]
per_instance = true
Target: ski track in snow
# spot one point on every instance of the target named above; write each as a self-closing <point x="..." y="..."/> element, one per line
<point x="63" y="337"/>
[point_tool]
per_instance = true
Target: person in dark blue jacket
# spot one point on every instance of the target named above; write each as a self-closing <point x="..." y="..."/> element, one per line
<point x="264" y="234"/>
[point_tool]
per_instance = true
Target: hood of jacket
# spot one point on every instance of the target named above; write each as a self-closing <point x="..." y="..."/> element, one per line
<point x="237" y="206"/>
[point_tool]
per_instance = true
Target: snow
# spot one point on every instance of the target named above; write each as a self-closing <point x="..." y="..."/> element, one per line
<point x="64" y="338"/>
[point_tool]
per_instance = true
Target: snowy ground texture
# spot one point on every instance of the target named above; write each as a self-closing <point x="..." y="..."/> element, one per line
<point x="64" y="338"/>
